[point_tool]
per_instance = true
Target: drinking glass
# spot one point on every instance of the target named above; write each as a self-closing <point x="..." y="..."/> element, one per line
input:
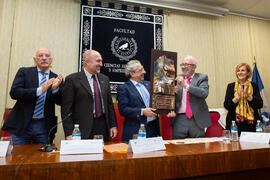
<point x="226" y="134"/>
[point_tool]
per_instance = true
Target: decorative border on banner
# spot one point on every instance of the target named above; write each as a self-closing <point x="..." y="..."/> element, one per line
<point x="89" y="12"/>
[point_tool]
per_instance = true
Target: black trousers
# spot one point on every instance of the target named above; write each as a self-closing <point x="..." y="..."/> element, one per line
<point x="100" y="128"/>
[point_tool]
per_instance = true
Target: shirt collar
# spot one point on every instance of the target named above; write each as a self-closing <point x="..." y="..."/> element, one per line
<point x="191" y="76"/>
<point x="88" y="75"/>
<point x="47" y="72"/>
<point x="134" y="82"/>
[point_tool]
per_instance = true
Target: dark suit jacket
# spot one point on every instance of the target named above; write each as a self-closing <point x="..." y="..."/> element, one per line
<point x="24" y="90"/>
<point x="130" y="104"/>
<point x="198" y="90"/>
<point x="255" y="104"/>
<point x="78" y="100"/>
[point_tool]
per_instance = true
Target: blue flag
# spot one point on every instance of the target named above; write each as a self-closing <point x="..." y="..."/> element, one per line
<point x="265" y="110"/>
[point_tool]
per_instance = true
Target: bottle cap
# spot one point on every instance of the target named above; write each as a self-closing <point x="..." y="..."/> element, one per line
<point x="76" y="125"/>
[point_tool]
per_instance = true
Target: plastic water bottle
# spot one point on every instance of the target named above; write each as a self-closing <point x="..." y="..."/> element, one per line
<point x="76" y="134"/>
<point x="259" y="128"/>
<point x="142" y="132"/>
<point x="234" y="132"/>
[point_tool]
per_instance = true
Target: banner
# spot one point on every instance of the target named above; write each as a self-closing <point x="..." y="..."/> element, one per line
<point x="119" y="36"/>
<point x="265" y="110"/>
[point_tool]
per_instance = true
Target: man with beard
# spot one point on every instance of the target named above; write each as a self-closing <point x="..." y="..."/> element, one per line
<point x="37" y="90"/>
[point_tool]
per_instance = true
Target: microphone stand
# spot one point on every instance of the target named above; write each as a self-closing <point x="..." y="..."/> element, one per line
<point x="48" y="147"/>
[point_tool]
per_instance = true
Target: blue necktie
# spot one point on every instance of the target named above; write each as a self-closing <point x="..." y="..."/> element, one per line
<point x="144" y="94"/>
<point x="39" y="109"/>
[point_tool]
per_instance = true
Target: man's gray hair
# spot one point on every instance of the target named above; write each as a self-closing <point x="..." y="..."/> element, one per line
<point x="131" y="67"/>
<point x="194" y="60"/>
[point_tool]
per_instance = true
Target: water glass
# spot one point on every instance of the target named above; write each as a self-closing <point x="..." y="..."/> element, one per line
<point x="226" y="134"/>
<point x="135" y="136"/>
<point x="98" y="136"/>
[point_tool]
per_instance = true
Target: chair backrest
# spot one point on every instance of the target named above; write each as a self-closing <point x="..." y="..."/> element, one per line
<point x="5" y="133"/>
<point x="166" y="129"/>
<point x="216" y="129"/>
<point x="120" y="120"/>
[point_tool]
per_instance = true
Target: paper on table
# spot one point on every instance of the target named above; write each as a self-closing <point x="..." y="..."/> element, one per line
<point x="3" y="148"/>
<point x="81" y="146"/>
<point x="194" y="140"/>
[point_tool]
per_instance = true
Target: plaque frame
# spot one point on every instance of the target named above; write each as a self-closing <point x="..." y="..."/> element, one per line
<point x="162" y="78"/>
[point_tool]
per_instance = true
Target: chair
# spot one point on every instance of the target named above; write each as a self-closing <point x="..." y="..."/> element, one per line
<point x="166" y="129"/>
<point x="216" y="129"/>
<point x="120" y="121"/>
<point x="4" y="134"/>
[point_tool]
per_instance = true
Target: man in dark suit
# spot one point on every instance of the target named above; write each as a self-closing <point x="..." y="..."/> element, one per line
<point x="87" y="101"/>
<point x="133" y="105"/>
<point x="192" y="114"/>
<point x="37" y="90"/>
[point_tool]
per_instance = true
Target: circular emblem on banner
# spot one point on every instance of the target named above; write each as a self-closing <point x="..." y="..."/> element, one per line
<point x="124" y="48"/>
<point x="265" y="119"/>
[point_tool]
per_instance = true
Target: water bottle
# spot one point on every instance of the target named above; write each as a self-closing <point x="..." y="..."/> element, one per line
<point x="142" y="132"/>
<point x="259" y="128"/>
<point x="76" y="134"/>
<point x="234" y="132"/>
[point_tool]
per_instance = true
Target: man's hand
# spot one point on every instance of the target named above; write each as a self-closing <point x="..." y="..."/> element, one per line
<point x="57" y="81"/>
<point x="181" y="81"/>
<point x="176" y="89"/>
<point x="149" y="112"/>
<point x="69" y="137"/>
<point x="171" y="114"/>
<point x="47" y="84"/>
<point x="113" y="132"/>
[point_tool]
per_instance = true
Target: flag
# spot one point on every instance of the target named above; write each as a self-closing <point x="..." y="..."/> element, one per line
<point x="265" y="110"/>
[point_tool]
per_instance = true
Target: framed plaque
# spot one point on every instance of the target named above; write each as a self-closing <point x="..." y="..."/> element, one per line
<point x="163" y="74"/>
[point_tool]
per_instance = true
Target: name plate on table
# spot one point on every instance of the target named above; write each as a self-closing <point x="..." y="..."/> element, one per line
<point x="81" y="146"/>
<point x="146" y="145"/>
<point x="3" y="148"/>
<point x="255" y="137"/>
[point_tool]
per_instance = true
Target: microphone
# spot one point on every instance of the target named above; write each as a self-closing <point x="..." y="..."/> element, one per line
<point x="48" y="147"/>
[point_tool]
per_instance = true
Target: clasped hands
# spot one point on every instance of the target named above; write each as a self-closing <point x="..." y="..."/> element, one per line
<point x="245" y="91"/>
<point x="54" y="82"/>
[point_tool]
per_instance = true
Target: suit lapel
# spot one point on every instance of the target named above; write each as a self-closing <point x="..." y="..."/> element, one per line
<point x="84" y="82"/>
<point x="135" y="91"/>
<point x="101" y="84"/>
<point x="34" y="75"/>
<point x="194" y="79"/>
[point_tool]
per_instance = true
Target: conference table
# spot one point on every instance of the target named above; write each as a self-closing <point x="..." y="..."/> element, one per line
<point x="211" y="160"/>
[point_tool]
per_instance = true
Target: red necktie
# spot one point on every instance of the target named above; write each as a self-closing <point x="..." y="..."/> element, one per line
<point x="188" y="107"/>
<point x="98" y="108"/>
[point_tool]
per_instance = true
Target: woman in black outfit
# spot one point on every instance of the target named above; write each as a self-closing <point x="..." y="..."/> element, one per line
<point x="243" y="100"/>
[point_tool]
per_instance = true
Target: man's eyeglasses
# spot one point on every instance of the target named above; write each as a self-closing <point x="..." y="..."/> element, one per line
<point x="182" y="65"/>
<point x="45" y="54"/>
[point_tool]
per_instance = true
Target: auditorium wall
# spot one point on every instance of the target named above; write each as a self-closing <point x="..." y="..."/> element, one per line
<point x="218" y="43"/>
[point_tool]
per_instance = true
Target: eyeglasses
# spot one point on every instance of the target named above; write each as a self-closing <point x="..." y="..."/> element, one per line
<point x="43" y="54"/>
<point x="182" y="65"/>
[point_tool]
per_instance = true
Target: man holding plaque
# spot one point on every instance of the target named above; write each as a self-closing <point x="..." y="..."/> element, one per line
<point x="133" y="103"/>
<point x="192" y="115"/>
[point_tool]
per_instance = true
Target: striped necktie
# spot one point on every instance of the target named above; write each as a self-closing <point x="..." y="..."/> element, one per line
<point x="39" y="109"/>
<point x="145" y="96"/>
